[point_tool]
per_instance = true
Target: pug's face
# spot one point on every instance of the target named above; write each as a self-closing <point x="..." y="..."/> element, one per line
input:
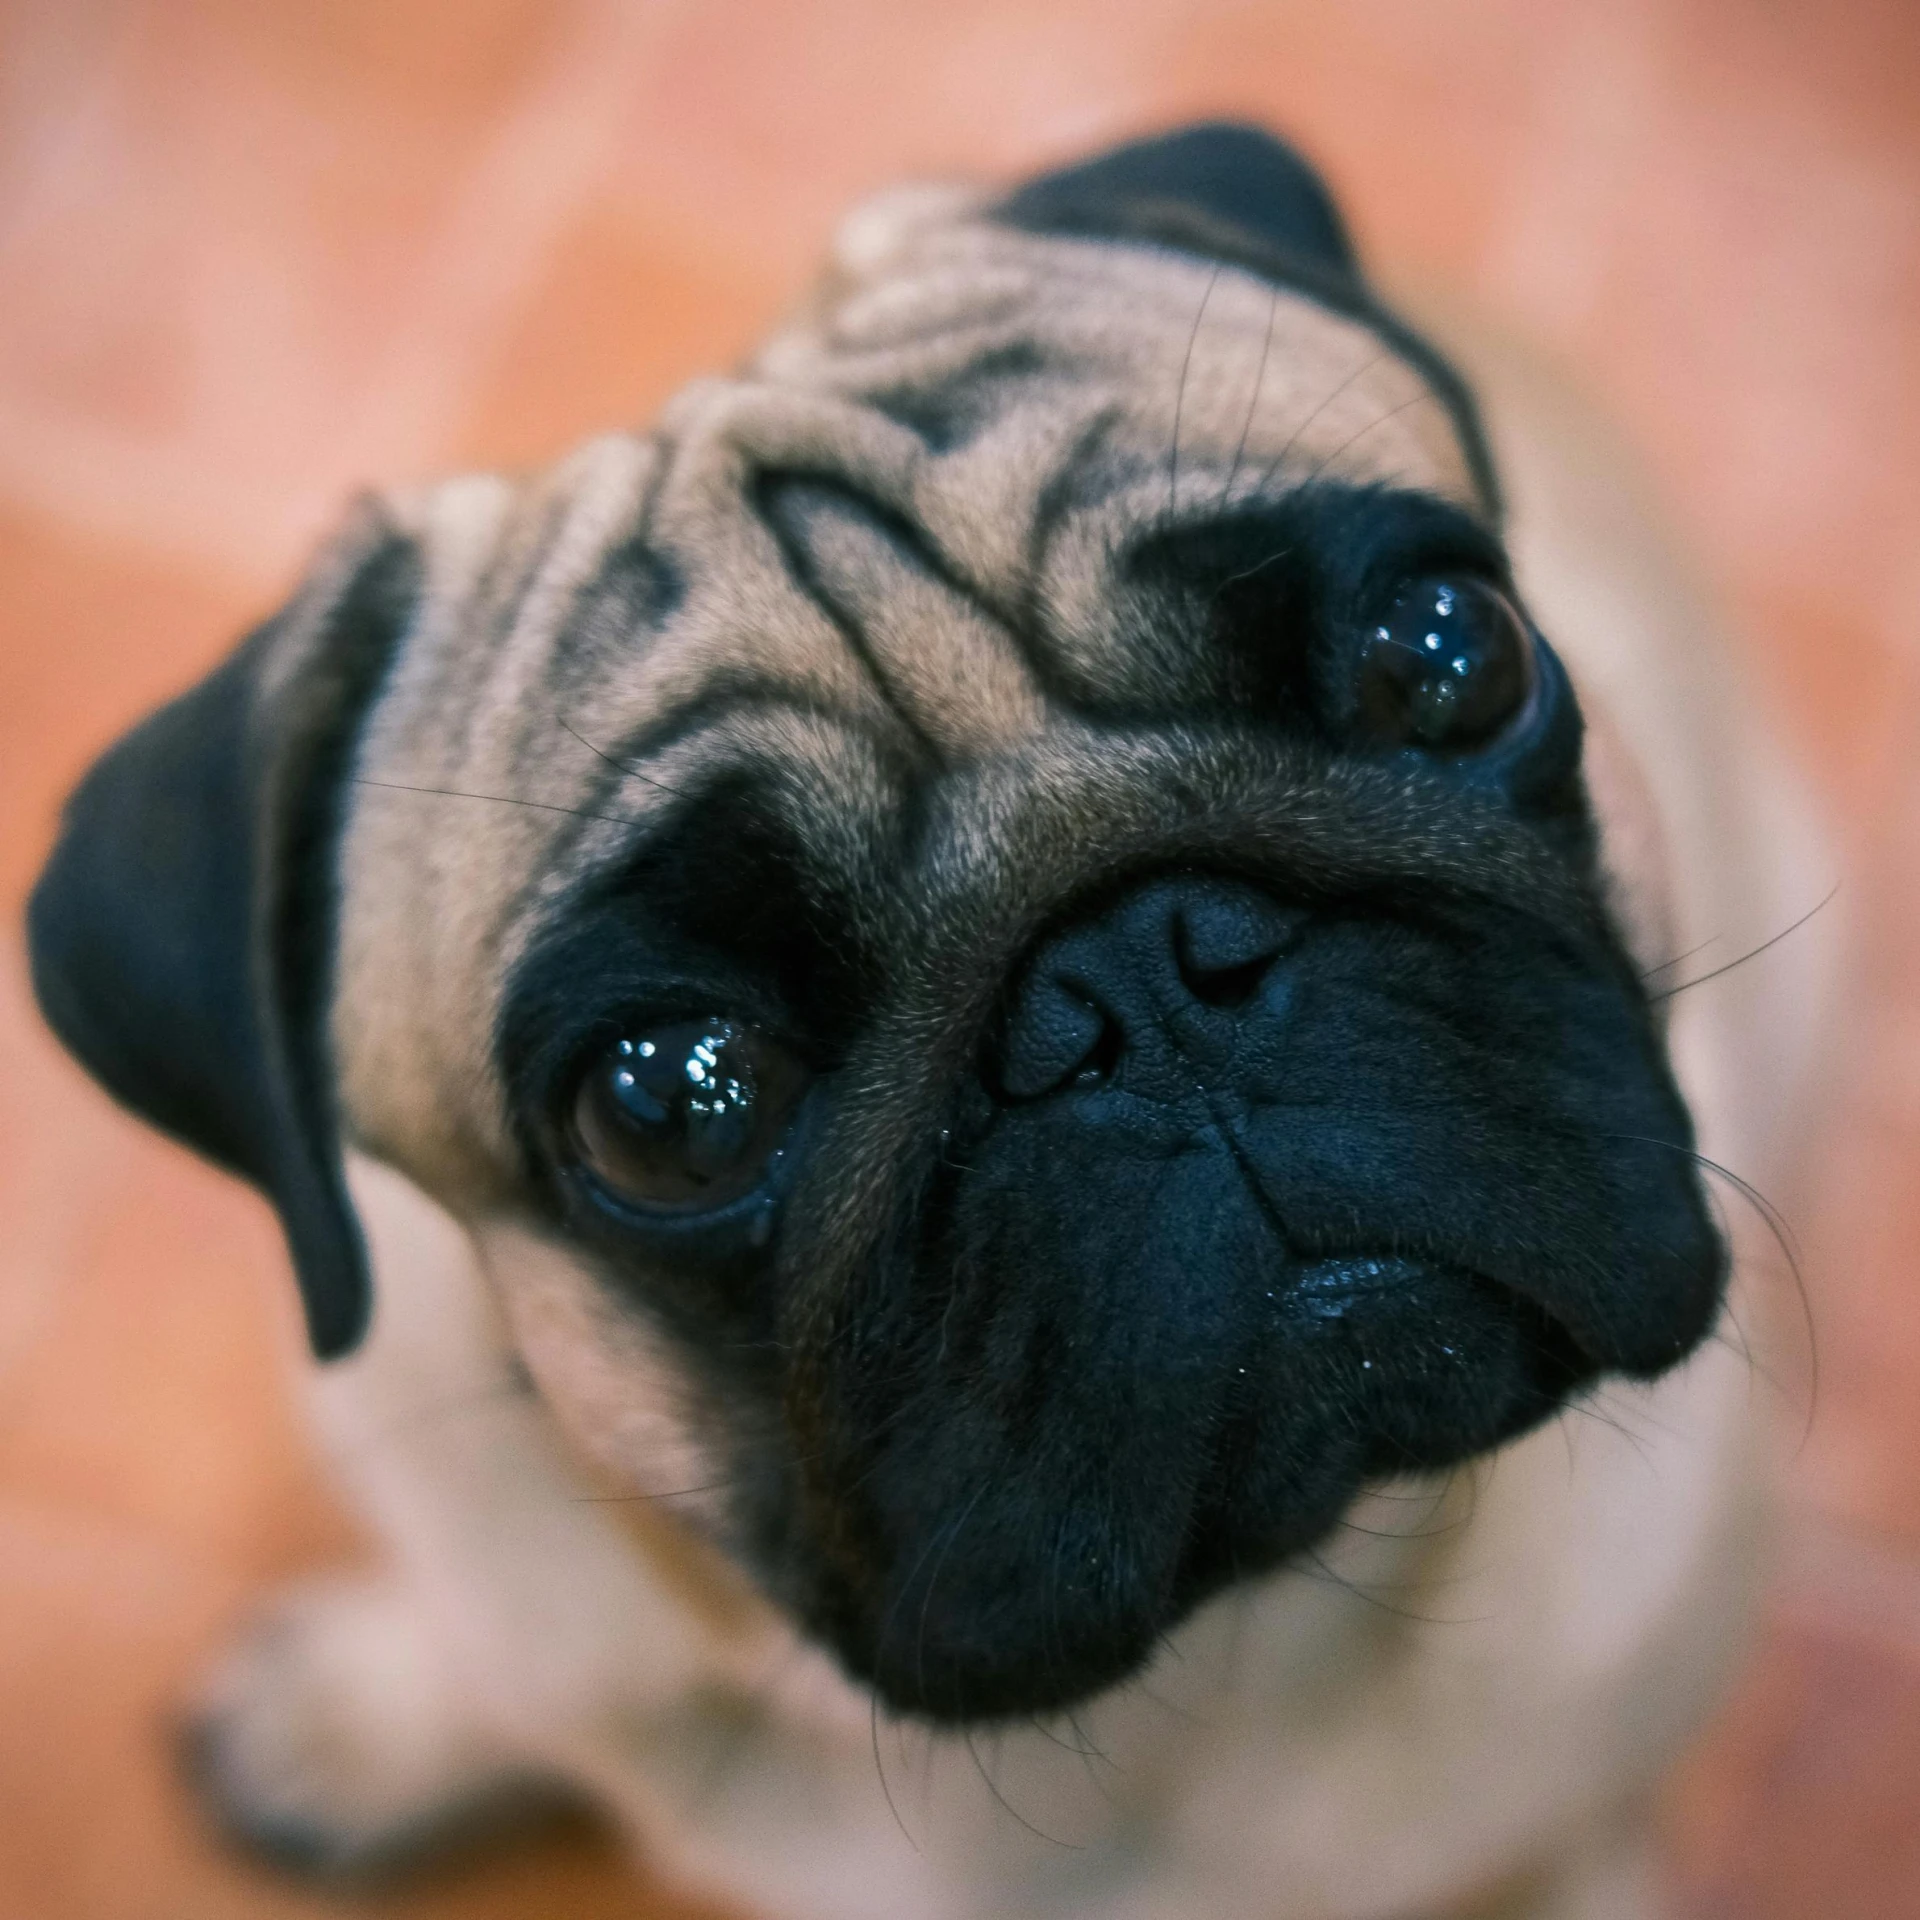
<point x="999" y="926"/>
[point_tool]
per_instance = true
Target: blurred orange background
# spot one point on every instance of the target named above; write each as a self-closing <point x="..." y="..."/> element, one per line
<point x="253" y="253"/>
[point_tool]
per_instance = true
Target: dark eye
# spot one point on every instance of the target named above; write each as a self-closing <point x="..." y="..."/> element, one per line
<point x="1445" y="667"/>
<point x="686" y="1116"/>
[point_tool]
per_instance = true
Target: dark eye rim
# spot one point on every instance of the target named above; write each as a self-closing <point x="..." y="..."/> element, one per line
<point x="1533" y="762"/>
<point x="587" y="1194"/>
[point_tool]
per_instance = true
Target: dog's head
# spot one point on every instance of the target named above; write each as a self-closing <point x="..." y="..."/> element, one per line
<point x="1007" y="902"/>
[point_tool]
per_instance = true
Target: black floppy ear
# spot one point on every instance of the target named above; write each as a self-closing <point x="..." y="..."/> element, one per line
<point x="1220" y="190"/>
<point x="182" y="931"/>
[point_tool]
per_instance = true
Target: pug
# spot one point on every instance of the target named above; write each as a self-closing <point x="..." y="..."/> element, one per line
<point x="976" y="1072"/>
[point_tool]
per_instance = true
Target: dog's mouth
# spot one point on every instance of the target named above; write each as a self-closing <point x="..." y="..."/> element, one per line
<point x="1021" y="1559"/>
<point x="1547" y="1361"/>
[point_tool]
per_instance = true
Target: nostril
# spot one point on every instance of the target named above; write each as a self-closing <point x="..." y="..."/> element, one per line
<point x="1226" y="944"/>
<point x="1103" y="998"/>
<point x="1103" y="1057"/>
<point x="1226" y="986"/>
<point x="1057" y="1037"/>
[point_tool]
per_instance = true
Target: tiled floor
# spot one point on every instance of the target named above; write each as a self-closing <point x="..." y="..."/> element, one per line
<point x="253" y="254"/>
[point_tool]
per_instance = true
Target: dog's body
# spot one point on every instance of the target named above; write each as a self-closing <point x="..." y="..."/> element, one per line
<point x="1427" y="1693"/>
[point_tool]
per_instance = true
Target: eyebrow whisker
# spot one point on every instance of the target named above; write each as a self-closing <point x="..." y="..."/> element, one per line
<point x="619" y="766"/>
<point x="1422" y="398"/>
<point x="1180" y="398"/>
<point x="1293" y="439"/>
<point x="503" y="800"/>
<point x="1253" y="403"/>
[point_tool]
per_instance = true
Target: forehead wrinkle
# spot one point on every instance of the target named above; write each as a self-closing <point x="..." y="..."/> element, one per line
<point x="602" y="495"/>
<point x="923" y="639"/>
<point x="942" y="660"/>
<point x="830" y="776"/>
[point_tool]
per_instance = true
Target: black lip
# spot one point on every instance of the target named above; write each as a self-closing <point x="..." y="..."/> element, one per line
<point x="1422" y="1365"/>
<point x="1333" y="1285"/>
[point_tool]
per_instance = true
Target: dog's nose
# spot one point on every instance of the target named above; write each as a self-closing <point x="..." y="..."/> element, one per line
<point x="1173" y="968"/>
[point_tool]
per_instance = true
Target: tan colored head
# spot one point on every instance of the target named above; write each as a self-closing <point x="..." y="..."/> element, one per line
<point x="1002" y="911"/>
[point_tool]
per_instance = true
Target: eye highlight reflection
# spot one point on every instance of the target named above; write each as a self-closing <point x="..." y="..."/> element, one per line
<point x="685" y="1117"/>
<point x="1445" y="668"/>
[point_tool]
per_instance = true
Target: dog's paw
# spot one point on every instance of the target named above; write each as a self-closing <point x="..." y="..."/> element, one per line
<point x="333" y="1738"/>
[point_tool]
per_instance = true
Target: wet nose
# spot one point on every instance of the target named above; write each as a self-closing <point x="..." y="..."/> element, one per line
<point x="1176" y="957"/>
